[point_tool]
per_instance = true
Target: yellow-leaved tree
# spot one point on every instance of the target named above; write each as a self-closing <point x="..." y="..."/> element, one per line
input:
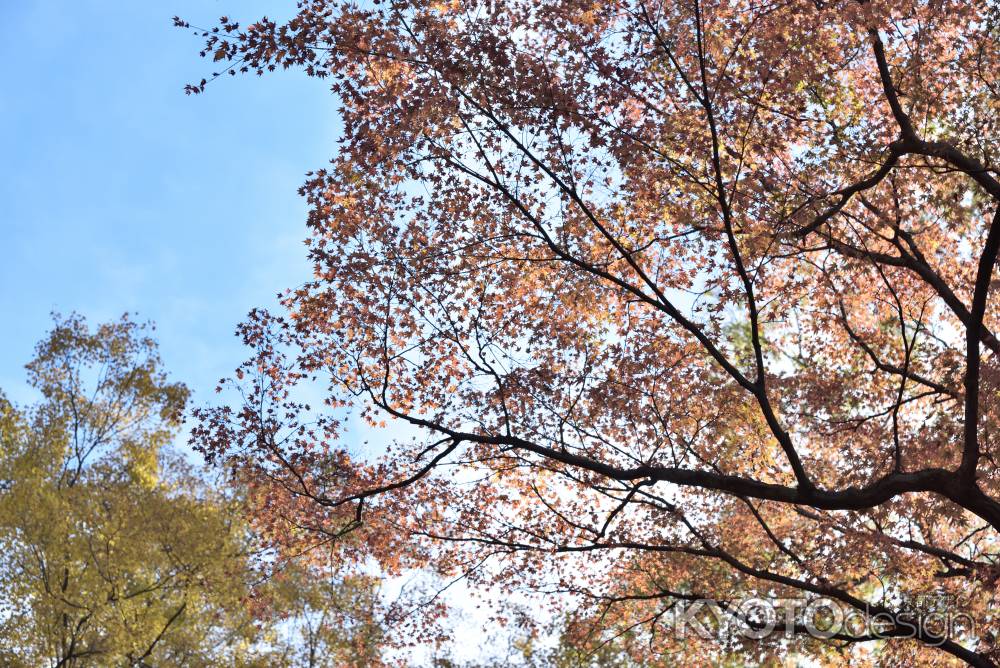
<point x="114" y="551"/>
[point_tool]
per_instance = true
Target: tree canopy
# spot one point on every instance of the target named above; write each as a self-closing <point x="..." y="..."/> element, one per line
<point x="115" y="551"/>
<point x="663" y="300"/>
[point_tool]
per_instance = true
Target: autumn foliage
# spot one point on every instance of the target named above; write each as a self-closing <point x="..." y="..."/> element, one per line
<point x="116" y="551"/>
<point x="656" y="301"/>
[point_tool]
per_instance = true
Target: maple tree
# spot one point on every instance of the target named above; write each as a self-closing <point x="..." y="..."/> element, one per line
<point x="115" y="552"/>
<point x="665" y="301"/>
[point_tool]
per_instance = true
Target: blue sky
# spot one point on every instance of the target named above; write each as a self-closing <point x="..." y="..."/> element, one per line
<point x="119" y="193"/>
